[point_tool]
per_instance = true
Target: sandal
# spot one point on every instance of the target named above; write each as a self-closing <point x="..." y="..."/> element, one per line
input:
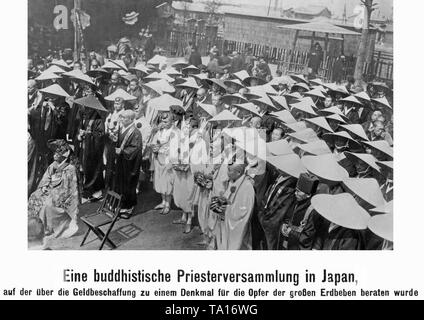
<point x="165" y="210"/>
<point x="159" y="206"/>
<point x="187" y="228"/>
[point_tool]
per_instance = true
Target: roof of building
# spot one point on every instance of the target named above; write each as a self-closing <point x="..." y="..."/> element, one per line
<point x="323" y="27"/>
<point x="311" y="10"/>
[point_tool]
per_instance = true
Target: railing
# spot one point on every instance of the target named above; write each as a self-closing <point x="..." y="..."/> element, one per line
<point x="380" y="68"/>
<point x="287" y="60"/>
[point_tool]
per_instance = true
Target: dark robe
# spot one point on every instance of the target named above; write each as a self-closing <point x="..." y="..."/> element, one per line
<point x="74" y="117"/>
<point x="343" y="239"/>
<point x="315" y="58"/>
<point x="127" y="166"/>
<point x="43" y="126"/>
<point x="237" y="64"/>
<point x="300" y="237"/>
<point x="275" y="203"/>
<point x="353" y="116"/>
<point x="90" y="152"/>
<point x="195" y="59"/>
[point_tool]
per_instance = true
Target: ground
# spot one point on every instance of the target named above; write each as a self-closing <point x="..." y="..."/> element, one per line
<point x="146" y="230"/>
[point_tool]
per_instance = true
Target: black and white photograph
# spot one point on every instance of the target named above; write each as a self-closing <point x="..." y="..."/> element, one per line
<point x="210" y="125"/>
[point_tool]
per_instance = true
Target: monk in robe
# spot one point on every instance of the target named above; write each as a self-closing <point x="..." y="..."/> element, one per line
<point x="112" y="126"/>
<point x="127" y="162"/>
<point x="277" y="200"/>
<point x="56" y="199"/>
<point x="90" y="152"/>
<point x="241" y="197"/>
<point x="44" y="119"/>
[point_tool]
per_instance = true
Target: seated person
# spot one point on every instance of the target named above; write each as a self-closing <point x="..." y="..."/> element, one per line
<point x="56" y="199"/>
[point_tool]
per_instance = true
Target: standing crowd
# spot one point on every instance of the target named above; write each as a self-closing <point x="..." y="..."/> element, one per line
<point x="256" y="161"/>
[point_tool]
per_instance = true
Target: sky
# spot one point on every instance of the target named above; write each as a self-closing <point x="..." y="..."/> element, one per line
<point x="335" y="6"/>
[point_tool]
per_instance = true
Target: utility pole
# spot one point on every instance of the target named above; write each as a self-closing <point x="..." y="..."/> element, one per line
<point x="363" y="44"/>
<point x="77" y="40"/>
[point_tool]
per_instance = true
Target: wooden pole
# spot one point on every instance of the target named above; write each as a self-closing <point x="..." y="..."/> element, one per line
<point x="77" y="7"/>
<point x="312" y="39"/>
<point x="362" y="49"/>
<point x="293" y="47"/>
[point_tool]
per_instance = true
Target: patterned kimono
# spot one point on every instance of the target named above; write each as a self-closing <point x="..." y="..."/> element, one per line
<point x="183" y="182"/>
<point x="59" y="203"/>
<point x="200" y="197"/>
<point x="237" y="235"/>
<point x="163" y="175"/>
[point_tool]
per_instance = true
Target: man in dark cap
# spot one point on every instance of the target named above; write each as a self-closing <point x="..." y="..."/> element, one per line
<point x="298" y="230"/>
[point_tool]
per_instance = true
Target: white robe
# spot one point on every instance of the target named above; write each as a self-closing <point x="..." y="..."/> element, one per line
<point x="237" y="235"/>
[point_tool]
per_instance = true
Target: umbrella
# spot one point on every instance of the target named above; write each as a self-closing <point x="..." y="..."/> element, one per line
<point x="160" y="86"/>
<point x="336" y="117"/>
<point x="189" y="83"/>
<point x="191" y="70"/>
<point x="157" y="59"/>
<point x="90" y="101"/>
<point x="279" y="148"/>
<point x="56" y="90"/>
<point x="55" y="69"/>
<point x="315" y="93"/>
<point x="140" y="67"/>
<point x="352" y="99"/>
<point x="289" y="164"/>
<point x="165" y="102"/>
<point x="304" y="106"/>
<point x="342" y="210"/>
<point x="110" y="65"/>
<point x="284" y="116"/>
<point x="237" y="82"/>
<point x="241" y="75"/>
<point x="210" y="109"/>
<point x="47" y="75"/>
<point x="180" y="65"/>
<point x="363" y="95"/>
<point x="382" y="146"/>
<point x="299" y="78"/>
<point x="60" y="63"/>
<point x="249" y="107"/>
<point x="387" y="207"/>
<point x="120" y="64"/>
<point x="315" y="148"/>
<point x="383" y="101"/>
<point x="79" y="75"/>
<point x="99" y="72"/>
<point x="296" y="126"/>
<point x="356" y="129"/>
<point x="304" y="136"/>
<point x="330" y="138"/>
<point x="231" y="99"/>
<point x="281" y="101"/>
<point x="225" y="115"/>
<point x="325" y="167"/>
<point x="157" y="76"/>
<point x="366" y="189"/>
<point x="320" y="122"/>
<point x="316" y="81"/>
<point x="367" y="158"/>
<point x="120" y="93"/>
<point x="382" y="226"/>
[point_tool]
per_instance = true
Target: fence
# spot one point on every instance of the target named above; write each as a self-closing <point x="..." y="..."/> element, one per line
<point x="288" y="61"/>
<point x="292" y="61"/>
<point x="380" y="68"/>
<point x="177" y="40"/>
